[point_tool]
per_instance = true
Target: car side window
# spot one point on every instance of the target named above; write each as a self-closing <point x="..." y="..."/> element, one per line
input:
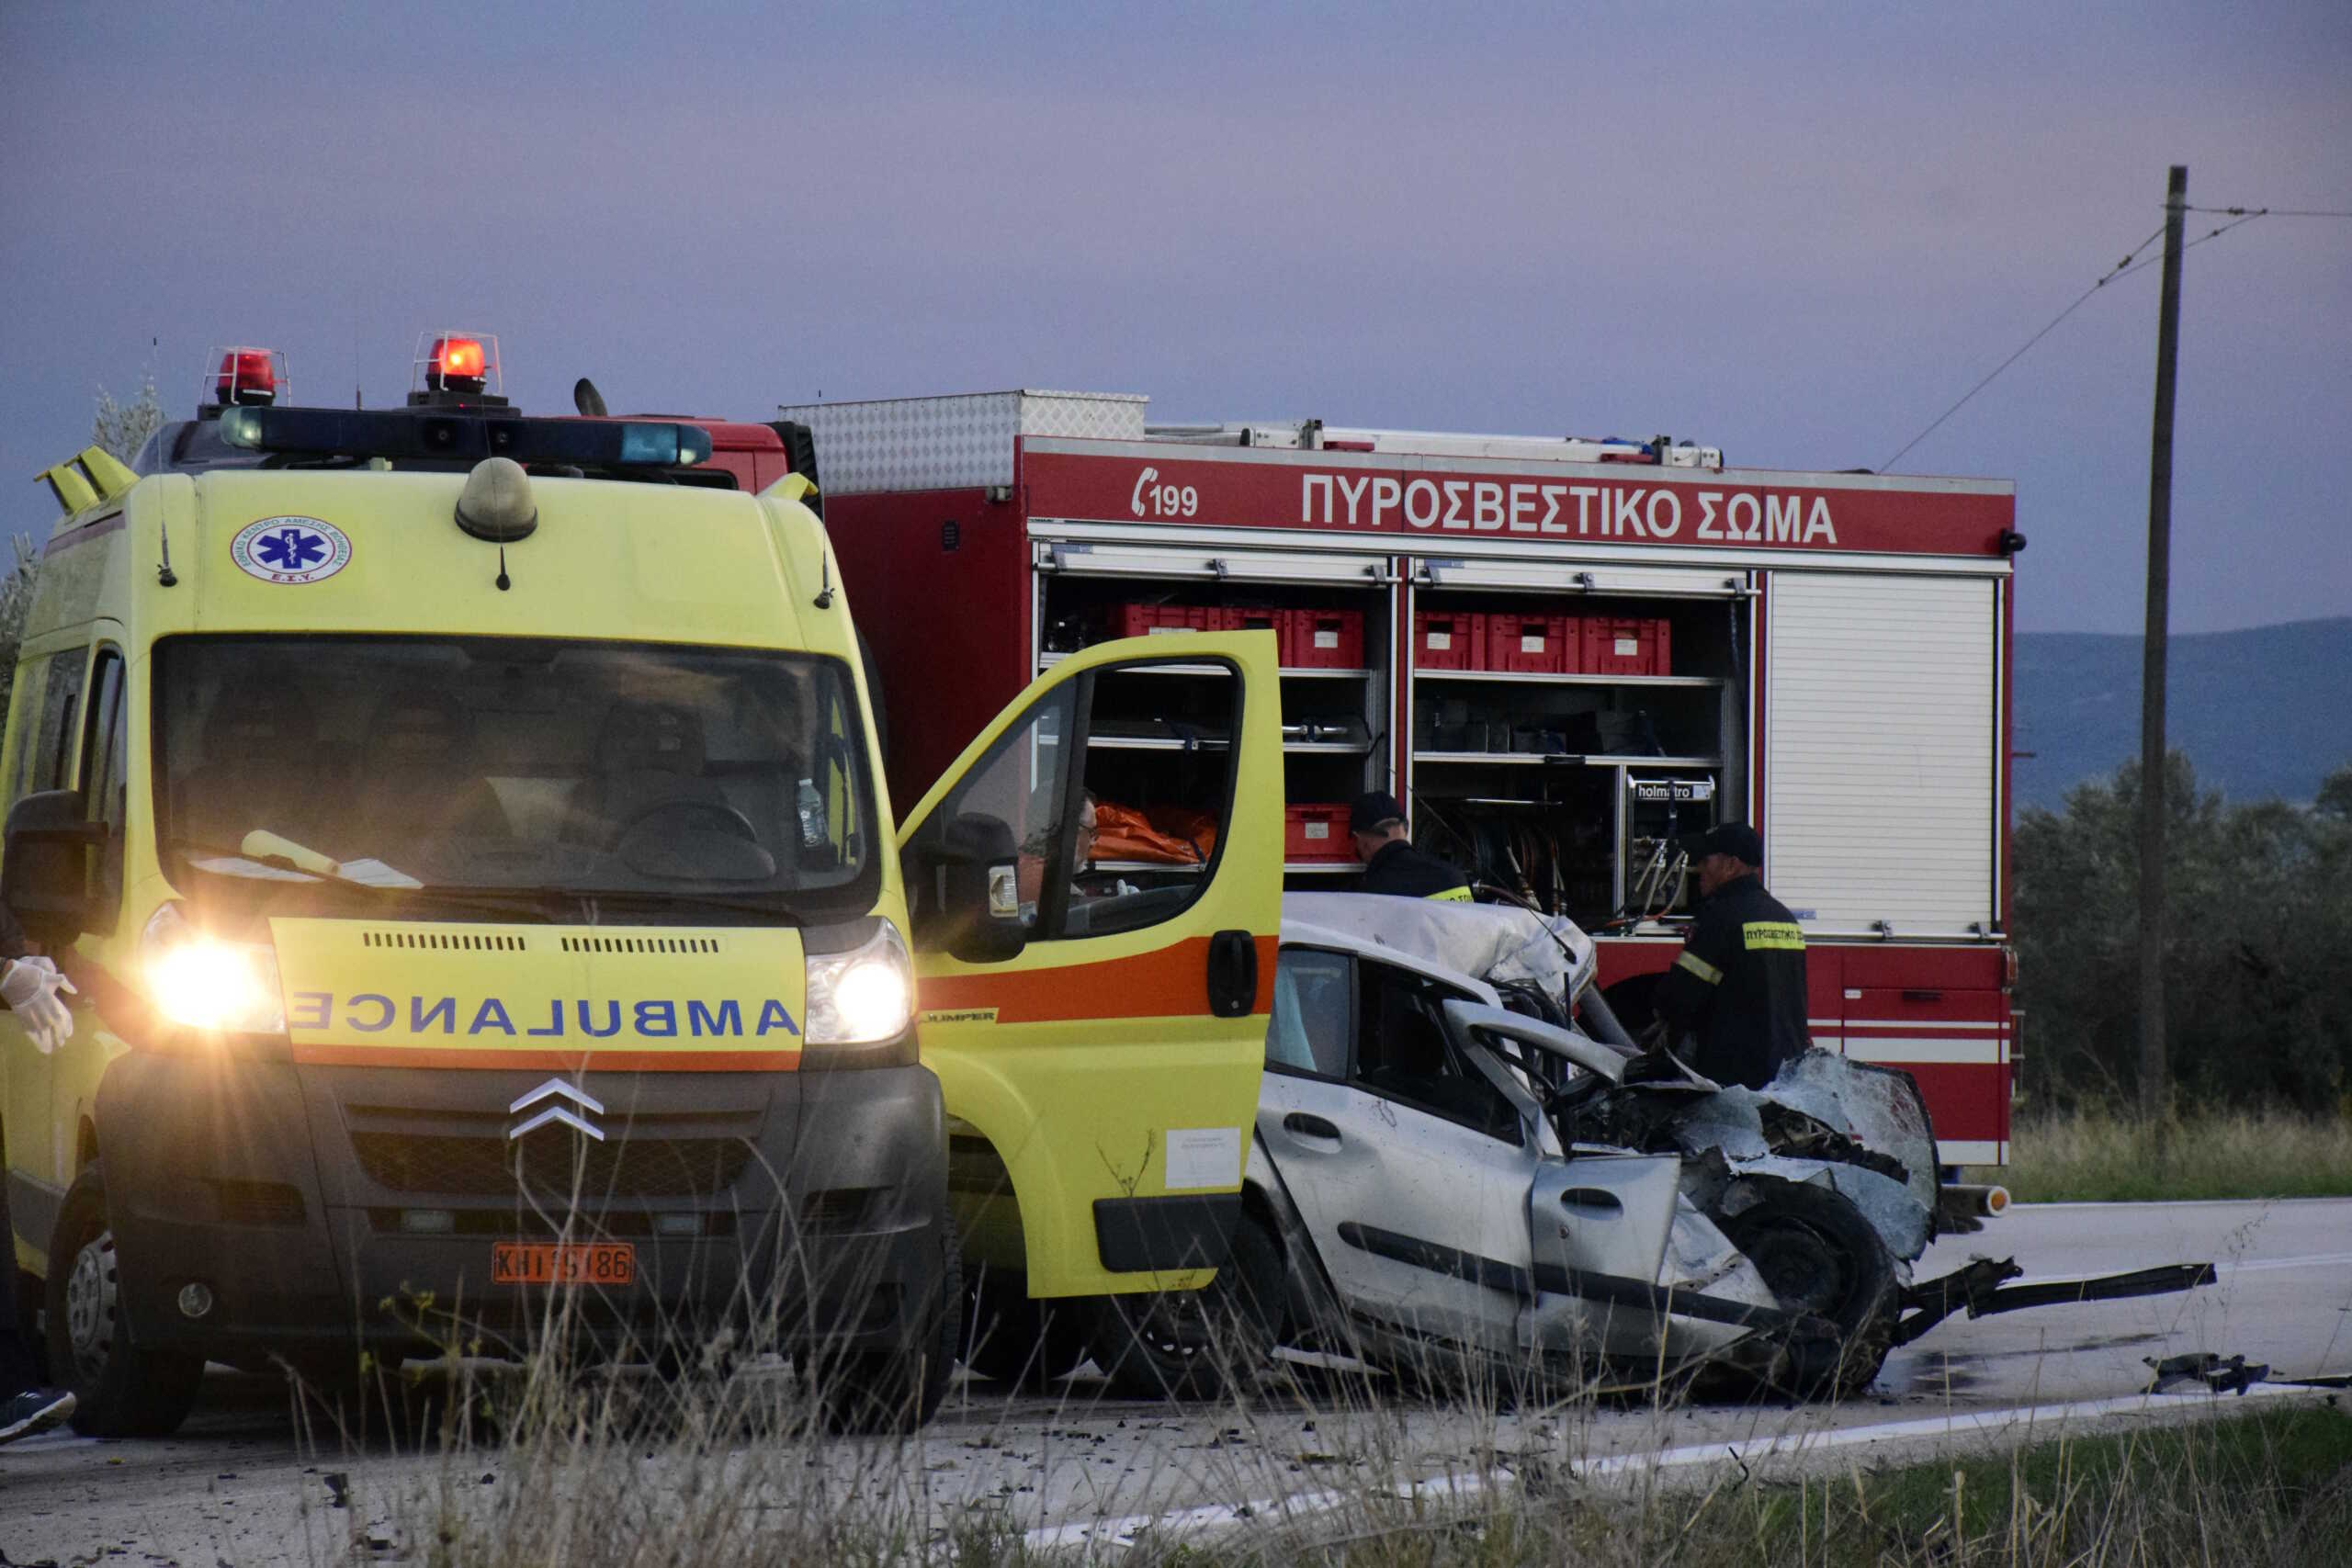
<point x="1403" y="1053"/>
<point x="1313" y="1022"/>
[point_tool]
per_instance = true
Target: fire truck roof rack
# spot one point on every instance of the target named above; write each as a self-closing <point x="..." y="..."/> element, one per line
<point x="1314" y="435"/>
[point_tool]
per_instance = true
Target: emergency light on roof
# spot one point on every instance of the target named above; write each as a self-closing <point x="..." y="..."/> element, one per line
<point x="249" y="376"/>
<point x="434" y="434"/>
<point x="454" y="368"/>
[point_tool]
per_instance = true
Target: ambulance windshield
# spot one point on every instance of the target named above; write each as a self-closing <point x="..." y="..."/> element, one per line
<point x="622" y="770"/>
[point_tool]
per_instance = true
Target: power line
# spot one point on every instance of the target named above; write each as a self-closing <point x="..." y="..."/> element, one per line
<point x="2119" y="269"/>
<point x="2268" y="211"/>
<point x="2238" y="216"/>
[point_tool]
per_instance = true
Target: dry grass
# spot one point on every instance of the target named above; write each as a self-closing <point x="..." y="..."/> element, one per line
<point x="659" y="1476"/>
<point x="544" y="1465"/>
<point x="2099" y="1155"/>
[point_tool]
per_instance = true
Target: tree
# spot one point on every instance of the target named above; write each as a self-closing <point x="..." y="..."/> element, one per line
<point x="122" y="429"/>
<point x="2335" y="798"/>
<point x="2258" y="998"/>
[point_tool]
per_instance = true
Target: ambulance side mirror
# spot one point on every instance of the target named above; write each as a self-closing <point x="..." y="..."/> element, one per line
<point x="45" y="861"/>
<point x="973" y="873"/>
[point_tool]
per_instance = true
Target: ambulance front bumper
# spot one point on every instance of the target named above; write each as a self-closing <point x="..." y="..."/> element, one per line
<point x="326" y="1208"/>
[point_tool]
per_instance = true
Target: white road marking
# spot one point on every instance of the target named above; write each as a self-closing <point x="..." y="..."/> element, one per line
<point x="2265" y="1264"/>
<point x="1176" y="1524"/>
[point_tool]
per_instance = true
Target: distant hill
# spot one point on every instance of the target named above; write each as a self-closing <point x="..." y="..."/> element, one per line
<point x="2261" y="713"/>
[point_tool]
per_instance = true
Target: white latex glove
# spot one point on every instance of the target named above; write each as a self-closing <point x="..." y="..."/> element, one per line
<point x="29" y="987"/>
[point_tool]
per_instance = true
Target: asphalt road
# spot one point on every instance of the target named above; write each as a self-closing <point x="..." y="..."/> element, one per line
<point x="246" y="1482"/>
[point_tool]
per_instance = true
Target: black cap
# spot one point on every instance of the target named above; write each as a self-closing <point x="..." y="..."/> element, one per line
<point x="1737" y="839"/>
<point x="1371" y="809"/>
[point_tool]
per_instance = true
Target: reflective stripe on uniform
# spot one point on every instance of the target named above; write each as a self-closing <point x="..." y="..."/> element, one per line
<point x="1699" y="967"/>
<point x="1450" y="896"/>
<point x="1773" y="934"/>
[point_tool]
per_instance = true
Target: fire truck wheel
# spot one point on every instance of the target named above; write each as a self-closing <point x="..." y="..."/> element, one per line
<point x="1013" y="1338"/>
<point x="894" y="1392"/>
<point x="1821" y="1257"/>
<point x="121" y="1390"/>
<point x="1197" y="1343"/>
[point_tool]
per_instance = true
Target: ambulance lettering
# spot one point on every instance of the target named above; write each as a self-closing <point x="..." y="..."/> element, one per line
<point x="658" y="1018"/>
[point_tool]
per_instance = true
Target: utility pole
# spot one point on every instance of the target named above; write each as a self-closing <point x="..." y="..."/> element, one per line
<point x="2153" y="1077"/>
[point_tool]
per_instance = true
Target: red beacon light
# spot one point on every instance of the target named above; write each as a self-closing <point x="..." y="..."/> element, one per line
<point x="248" y="377"/>
<point x="456" y="368"/>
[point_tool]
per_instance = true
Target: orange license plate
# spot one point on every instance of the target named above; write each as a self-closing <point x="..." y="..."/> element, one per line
<point x="564" y="1263"/>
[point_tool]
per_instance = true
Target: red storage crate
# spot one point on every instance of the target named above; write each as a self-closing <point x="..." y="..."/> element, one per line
<point x="1323" y="639"/>
<point x="1530" y="644"/>
<point x="1316" y="832"/>
<point x="1447" y="639"/>
<point x="1261" y="617"/>
<point x="1155" y="620"/>
<point x="1624" y="645"/>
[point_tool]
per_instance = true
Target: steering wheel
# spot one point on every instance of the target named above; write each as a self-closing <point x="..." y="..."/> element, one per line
<point x="713" y="814"/>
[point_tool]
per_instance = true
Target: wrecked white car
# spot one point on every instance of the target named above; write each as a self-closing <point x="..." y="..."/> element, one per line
<point x="1440" y="1180"/>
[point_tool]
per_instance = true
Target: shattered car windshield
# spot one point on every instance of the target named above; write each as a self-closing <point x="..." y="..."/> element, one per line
<point x="573" y="767"/>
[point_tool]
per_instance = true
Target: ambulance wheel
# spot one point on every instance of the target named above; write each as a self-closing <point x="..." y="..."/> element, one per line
<point x="121" y="1390"/>
<point x="1199" y="1344"/>
<point x="887" y="1393"/>
<point x="1821" y="1258"/>
<point x="1012" y="1337"/>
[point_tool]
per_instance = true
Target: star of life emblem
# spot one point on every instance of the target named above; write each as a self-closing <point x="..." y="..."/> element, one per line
<point x="290" y="549"/>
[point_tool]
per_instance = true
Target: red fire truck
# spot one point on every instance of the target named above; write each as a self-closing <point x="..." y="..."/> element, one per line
<point x="1563" y="654"/>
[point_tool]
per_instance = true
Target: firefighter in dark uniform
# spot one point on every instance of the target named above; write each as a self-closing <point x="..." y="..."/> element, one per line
<point x="1735" y="1000"/>
<point x="1391" y="863"/>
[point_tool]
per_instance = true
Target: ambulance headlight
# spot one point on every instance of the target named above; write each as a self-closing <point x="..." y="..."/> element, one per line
<point x="200" y="980"/>
<point x="864" y="996"/>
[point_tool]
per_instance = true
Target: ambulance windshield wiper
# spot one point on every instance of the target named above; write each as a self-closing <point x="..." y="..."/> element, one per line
<point x="265" y="856"/>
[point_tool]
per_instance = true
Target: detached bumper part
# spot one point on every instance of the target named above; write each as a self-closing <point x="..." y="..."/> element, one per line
<point x="1981" y="1287"/>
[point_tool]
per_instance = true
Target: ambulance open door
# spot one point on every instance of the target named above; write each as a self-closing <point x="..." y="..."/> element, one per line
<point x="1095" y="889"/>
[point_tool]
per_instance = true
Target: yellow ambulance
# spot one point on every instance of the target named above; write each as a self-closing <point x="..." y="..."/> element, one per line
<point x="462" y="831"/>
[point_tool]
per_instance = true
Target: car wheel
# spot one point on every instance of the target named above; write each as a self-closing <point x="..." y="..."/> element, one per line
<point x="884" y="1393"/>
<point x="1197" y="1343"/>
<point x="1012" y="1337"/>
<point x="1821" y="1257"/>
<point x="121" y="1390"/>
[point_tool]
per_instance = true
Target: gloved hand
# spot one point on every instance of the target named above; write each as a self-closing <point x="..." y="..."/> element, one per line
<point x="29" y="986"/>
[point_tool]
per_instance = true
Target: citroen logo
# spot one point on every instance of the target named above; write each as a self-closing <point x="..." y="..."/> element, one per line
<point x="574" y="1114"/>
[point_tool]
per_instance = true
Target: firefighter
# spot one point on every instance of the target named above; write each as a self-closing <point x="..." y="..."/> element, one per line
<point x="1391" y="863"/>
<point x="1735" y="996"/>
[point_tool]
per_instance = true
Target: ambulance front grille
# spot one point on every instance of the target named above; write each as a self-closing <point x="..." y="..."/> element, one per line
<point x="666" y="944"/>
<point x="444" y="941"/>
<point x="624" y="1168"/>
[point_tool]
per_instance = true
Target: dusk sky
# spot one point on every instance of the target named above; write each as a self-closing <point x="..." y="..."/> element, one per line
<point x="1797" y="232"/>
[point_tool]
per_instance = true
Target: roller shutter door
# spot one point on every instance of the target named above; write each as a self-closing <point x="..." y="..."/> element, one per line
<point x="1880" y="797"/>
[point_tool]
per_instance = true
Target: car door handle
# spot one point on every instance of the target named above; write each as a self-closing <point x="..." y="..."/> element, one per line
<point x="1307" y="1126"/>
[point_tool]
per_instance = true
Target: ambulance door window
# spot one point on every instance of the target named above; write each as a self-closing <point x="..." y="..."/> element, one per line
<point x="1012" y="801"/>
<point x="1158" y="764"/>
<point x="56" y="736"/>
<point x="105" y="764"/>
